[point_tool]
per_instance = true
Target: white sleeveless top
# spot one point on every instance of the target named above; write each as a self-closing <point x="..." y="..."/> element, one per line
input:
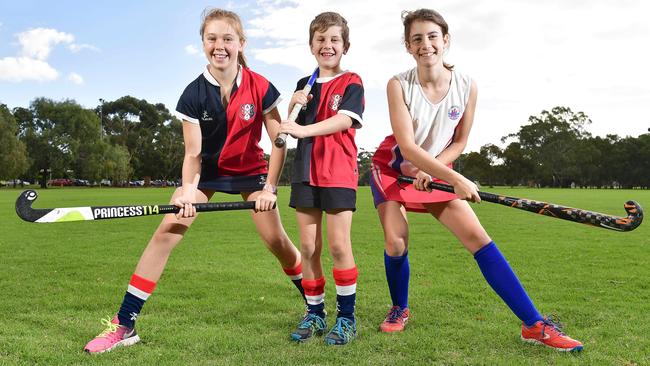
<point x="434" y="124"/>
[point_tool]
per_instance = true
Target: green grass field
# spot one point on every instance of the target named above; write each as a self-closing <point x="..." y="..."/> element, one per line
<point x="223" y="298"/>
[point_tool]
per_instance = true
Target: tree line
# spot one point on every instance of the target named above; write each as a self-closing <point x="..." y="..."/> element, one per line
<point x="555" y="149"/>
<point x="132" y="138"/>
<point x="117" y="140"/>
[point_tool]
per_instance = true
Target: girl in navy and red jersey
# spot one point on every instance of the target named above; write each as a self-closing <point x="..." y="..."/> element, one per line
<point x="431" y="112"/>
<point x="223" y="112"/>
<point x="325" y="178"/>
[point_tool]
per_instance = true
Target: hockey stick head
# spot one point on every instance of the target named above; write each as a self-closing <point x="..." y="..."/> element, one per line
<point x="634" y="216"/>
<point x="24" y="206"/>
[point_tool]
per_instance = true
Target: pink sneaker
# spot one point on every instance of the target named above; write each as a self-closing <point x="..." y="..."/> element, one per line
<point x="115" y="335"/>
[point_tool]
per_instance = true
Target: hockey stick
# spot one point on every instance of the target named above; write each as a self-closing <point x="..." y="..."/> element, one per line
<point x="46" y="215"/>
<point x="281" y="140"/>
<point x="629" y="223"/>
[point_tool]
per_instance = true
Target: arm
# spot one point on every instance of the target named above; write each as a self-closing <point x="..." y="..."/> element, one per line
<point x="339" y="122"/>
<point x="401" y="124"/>
<point x="457" y="146"/>
<point x="276" y="161"/>
<point x="267" y="198"/>
<point x="349" y="113"/>
<point x="333" y="124"/>
<point x="191" y="171"/>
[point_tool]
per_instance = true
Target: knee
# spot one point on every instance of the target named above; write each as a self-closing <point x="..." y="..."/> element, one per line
<point x="308" y="251"/>
<point x="475" y="240"/>
<point x="396" y="245"/>
<point x="166" y="240"/>
<point x="339" y="251"/>
<point x="277" y="241"/>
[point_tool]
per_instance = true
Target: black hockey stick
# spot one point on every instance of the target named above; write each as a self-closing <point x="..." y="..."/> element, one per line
<point x="629" y="223"/>
<point x="46" y="215"/>
<point x="281" y="140"/>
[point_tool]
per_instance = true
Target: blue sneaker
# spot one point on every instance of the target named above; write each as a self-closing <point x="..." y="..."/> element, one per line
<point x="343" y="332"/>
<point x="311" y="325"/>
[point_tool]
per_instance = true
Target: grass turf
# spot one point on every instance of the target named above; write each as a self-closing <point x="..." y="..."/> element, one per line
<point x="223" y="298"/>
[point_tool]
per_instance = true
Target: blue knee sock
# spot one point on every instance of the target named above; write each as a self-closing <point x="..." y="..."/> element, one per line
<point x="397" y="274"/>
<point x="504" y="282"/>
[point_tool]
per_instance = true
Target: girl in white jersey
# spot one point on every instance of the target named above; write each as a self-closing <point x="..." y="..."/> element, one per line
<point x="431" y="112"/>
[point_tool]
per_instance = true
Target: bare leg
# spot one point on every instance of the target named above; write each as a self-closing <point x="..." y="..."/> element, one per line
<point x="311" y="245"/>
<point x="393" y="218"/>
<point x="151" y="265"/>
<point x="311" y="241"/>
<point x="168" y="234"/>
<point x="395" y="224"/>
<point x="461" y="220"/>
<point x="339" y="223"/>
<point x="270" y="229"/>
<point x="345" y="275"/>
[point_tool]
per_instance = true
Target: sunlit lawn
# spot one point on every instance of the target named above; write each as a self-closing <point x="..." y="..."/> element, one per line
<point x="223" y="298"/>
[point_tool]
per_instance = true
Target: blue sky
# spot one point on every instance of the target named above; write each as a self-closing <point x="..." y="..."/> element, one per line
<point x="526" y="56"/>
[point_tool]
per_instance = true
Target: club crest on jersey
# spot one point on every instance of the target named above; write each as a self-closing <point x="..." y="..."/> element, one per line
<point x="335" y="100"/>
<point x="206" y="116"/>
<point x="453" y="113"/>
<point x="247" y="111"/>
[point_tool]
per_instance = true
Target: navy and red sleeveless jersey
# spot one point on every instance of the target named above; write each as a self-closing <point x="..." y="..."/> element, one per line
<point x="230" y="134"/>
<point x="330" y="160"/>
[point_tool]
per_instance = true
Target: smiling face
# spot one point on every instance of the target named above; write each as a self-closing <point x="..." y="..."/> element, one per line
<point x="221" y="44"/>
<point x="328" y="47"/>
<point x="427" y="43"/>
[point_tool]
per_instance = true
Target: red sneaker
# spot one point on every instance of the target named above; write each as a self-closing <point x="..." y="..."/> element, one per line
<point x="396" y="320"/>
<point x="548" y="332"/>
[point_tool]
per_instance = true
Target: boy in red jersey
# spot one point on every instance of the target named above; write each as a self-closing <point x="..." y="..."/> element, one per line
<point x="223" y="111"/>
<point x="325" y="178"/>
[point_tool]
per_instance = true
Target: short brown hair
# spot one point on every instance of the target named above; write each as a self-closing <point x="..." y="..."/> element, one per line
<point x="323" y="21"/>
